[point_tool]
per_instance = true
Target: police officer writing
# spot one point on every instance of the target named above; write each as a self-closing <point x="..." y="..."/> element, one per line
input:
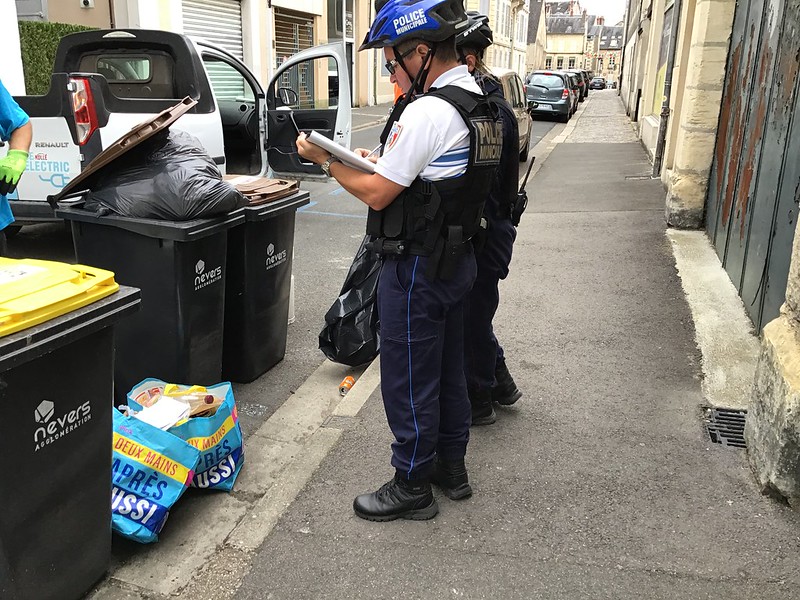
<point x="488" y="378"/>
<point x="425" y="202"/>
<point x="15" y="128"/>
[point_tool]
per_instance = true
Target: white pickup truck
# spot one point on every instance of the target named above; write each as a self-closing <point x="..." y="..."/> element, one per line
<point x="106" y="82"/>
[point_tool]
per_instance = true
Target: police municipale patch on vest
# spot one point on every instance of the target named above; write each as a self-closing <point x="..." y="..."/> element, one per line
<point x="488" y="140"/>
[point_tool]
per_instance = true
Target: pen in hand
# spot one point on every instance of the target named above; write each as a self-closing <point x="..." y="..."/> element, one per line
<point x="374" y="150"/>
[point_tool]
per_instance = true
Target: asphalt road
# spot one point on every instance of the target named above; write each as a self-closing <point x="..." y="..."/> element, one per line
<point x="327" y="234"/>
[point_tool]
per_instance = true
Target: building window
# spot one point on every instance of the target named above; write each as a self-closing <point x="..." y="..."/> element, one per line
<point x="560" y="62"/>
<point x="548" y="62"/>
<point x="571" y="62"/>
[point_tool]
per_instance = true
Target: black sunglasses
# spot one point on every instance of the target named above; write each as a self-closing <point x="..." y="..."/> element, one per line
<point x="392" y="64"/>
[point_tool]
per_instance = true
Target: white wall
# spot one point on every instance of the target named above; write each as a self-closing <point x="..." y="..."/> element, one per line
<point x="11" y="66"/>
<point x="254" y="47"/>
<point x="314" y="7"/>
<point x="148" y="14"/>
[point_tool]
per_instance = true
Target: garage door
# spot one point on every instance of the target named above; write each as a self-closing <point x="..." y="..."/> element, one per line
<point x="218" y="21"/>
<point x="754" y="187"/>
<point x="294" y="32"/>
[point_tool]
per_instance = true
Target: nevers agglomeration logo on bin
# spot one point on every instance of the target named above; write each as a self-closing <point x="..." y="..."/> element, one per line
<point x="205" y="276"/>
<point x="52" y="427"/>
<point x="274" y="259"/>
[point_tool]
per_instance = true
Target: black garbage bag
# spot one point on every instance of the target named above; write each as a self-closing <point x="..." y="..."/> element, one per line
<point x="169" y="177"/>
<point x="351" y="332"/>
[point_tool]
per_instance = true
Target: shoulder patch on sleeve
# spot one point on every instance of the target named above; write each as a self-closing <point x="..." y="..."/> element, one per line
<point x="394" y="133"/>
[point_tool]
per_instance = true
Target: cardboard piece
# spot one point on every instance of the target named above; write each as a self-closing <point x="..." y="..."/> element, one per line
<point x="261" y="190"/>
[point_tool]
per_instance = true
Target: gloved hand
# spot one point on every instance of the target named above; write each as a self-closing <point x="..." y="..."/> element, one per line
<point x="11" y="168"/>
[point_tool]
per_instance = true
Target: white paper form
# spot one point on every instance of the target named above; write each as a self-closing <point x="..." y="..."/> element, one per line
<point x="348" y="157"/>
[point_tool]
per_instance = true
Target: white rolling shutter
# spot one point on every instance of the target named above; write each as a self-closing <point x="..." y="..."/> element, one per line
<point x="218" y="21"/>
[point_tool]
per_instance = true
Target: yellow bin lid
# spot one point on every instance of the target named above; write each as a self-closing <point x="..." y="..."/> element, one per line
<point x="34" y="291"/>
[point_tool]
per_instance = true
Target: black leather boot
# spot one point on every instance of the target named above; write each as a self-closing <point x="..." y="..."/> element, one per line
<point x="506" y="391"/>
<point x="451" y="477"/>
<point x="482" y="410"/>
<point x="398" y="499"/>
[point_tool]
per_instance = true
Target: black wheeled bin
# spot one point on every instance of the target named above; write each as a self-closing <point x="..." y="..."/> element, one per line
<point x="180" y="268"/>
<point x="55" y="435"/>
<point x="257" y="288"/>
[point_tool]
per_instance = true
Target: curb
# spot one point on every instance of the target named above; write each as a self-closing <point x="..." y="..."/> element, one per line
<point x="723" y="332"/>
<point x="370" y="124"/>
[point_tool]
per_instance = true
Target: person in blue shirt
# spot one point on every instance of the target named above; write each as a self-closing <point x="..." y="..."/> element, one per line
<point x="15" y="129"/>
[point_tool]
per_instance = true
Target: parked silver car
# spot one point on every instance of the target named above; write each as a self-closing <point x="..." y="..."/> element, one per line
<point x="552" y="91"/>
<point x="514" y="93"/>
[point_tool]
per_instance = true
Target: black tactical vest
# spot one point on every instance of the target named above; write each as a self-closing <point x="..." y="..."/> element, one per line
<point x="439" y="218"/>
<point x="504" y="190"/>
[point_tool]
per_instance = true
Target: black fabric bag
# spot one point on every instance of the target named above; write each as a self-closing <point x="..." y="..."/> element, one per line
<point x="170" y="177"/>
<point x="351" y="332"/>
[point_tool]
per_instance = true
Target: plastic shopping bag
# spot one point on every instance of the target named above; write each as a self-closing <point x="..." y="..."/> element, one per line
<point x="218" y="437"/>
<point x="151" y="469"/>
<point x="351" y="332"/>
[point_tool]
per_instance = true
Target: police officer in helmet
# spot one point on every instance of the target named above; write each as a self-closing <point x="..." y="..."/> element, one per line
<point x="488" y="378"/>
<point x="425" y="203"/>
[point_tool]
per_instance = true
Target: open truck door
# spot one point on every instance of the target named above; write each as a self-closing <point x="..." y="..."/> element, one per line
<point x="310" y="91"/>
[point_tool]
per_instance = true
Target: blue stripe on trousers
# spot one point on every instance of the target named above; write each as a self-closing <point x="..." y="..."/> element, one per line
<point x="410" y="370"/>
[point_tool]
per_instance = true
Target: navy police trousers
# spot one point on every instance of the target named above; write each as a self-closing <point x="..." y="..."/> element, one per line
<point x="482" y="350"/>
<point x="422" y="362"/>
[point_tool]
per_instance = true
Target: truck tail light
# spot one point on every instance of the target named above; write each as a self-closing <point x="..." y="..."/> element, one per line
<point x="83" y="108"/>
<point x="565" y="94"/>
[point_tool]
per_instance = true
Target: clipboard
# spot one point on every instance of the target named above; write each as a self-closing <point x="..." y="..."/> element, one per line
<point x="348" y="157"/>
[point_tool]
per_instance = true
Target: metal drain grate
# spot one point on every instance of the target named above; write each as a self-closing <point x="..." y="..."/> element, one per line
<point x="726" y="426"/>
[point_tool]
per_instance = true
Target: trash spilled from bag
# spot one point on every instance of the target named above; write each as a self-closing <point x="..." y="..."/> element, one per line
<point x="166" y="439"/>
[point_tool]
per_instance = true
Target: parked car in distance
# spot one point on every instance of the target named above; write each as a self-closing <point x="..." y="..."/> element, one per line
<point x="598" y="83"/>
<point x="514" y="93"/>
<point x="575" y="89"/>
<point x="587" y="75"/>
<point x="583" y="82"/>
<point x="552" y="92"/>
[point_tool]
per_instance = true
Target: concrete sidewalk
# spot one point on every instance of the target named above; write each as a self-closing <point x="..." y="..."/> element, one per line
<point x="600" y="483"/>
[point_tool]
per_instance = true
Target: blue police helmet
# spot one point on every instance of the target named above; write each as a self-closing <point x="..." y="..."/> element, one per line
<point x="429" y="20"/>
